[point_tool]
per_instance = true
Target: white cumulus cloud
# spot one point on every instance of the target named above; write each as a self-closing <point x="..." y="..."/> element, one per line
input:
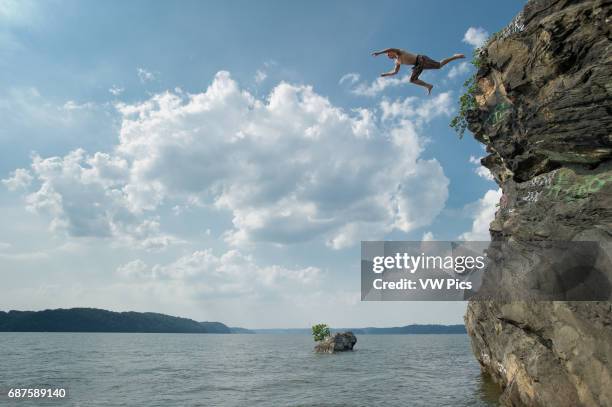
<point x="475" y="36"/>
<point x="20" y="178"/>
<point x="428" y="237"/>
<point x="349" y="78"/>
<point x="480" y="169"/>
<point x="288" y="168"/>
<point x="232" y="273"/>
<point x="484" y="213"/>
<point x="135" y="269"/>
<point x="378" y="85"/>
<point x="420" y="111"/>
<point x="459" y="70"/>
<point x="84" y="196"/>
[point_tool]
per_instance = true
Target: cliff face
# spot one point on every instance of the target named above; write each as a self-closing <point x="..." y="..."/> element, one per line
<point x="544" y="111"/>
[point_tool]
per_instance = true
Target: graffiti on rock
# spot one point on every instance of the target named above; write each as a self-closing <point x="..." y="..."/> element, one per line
<point x="564" y="185"/>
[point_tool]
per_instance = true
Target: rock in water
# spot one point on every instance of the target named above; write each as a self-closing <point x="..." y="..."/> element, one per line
<point x="338" y="342"/>
<point x="544" y="111"/>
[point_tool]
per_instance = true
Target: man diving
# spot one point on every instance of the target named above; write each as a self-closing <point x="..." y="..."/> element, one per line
<point x="419" y="62"/>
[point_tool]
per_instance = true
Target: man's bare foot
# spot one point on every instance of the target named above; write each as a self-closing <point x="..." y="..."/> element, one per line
<point x="429" y="88"/>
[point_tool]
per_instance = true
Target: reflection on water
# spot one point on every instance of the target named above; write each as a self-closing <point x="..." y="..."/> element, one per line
<point x="489" y="391"/>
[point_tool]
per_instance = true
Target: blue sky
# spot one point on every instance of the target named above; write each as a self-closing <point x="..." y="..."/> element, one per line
<point x="222" y="160"/>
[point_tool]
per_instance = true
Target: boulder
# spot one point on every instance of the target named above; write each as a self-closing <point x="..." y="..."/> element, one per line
<point x="338" y="342"/>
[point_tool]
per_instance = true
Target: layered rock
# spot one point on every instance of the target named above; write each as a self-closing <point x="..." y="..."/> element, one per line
<point x="338" y="342"/>
<point x="544" y="97"/>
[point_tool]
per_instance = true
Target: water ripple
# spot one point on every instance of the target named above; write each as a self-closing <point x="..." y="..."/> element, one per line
<point x="245" y="370"/>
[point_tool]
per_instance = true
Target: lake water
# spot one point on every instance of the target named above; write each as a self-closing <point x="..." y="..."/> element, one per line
<point x="243" y="370"/>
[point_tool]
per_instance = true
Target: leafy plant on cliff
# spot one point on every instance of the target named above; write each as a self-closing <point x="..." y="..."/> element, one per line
<point x="320" y="332"/>
<point x="467" y="101"/>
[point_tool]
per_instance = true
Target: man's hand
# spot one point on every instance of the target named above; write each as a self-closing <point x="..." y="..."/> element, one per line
<point x="384" y="51"/>
<point x="393" y="72"/>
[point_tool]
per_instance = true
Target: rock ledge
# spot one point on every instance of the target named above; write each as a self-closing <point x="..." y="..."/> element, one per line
<point x="338" y="342"/>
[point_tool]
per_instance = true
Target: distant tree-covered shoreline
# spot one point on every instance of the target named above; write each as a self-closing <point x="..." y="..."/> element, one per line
<point x="99" y="320"/>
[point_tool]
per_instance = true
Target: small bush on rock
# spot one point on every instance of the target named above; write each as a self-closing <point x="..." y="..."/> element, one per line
<point x="320" y="332"/>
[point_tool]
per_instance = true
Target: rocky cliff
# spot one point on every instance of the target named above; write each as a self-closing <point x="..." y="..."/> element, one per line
<point x="542" y="105"/>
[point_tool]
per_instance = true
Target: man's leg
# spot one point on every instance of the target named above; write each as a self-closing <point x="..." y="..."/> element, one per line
<point x="414" y="78"/>
<point x="423" y="84"/>
<point x="447" y="60"/>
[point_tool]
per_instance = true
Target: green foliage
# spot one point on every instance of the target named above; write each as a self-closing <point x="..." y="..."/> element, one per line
<point x="477" y="56"/>
<point x="467" y="101"/>
<point x="320" y="332"/>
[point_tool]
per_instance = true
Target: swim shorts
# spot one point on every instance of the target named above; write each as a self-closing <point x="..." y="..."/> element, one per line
<point x="423" y="62"/>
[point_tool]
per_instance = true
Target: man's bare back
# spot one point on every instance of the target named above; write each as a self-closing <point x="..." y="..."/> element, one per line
<point x="419" y="62"/>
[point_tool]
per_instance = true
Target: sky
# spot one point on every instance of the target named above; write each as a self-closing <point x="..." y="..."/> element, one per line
<point x="222" y="160"/>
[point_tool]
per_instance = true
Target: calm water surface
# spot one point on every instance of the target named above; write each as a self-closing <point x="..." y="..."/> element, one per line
<point x="243" y="370"/>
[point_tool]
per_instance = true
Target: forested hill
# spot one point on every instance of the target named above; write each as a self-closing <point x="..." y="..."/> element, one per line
<point x="414" y="330"/>
<point x="98" y="320"/>
<point x="398" y="330"/>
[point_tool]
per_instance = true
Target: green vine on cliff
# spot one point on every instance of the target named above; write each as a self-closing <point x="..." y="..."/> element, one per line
<point x="467" y="101"/>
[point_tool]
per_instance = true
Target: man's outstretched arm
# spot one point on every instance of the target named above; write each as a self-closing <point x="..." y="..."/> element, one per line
<point x="384" y="51"/>
<point x="393" y="72"/>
